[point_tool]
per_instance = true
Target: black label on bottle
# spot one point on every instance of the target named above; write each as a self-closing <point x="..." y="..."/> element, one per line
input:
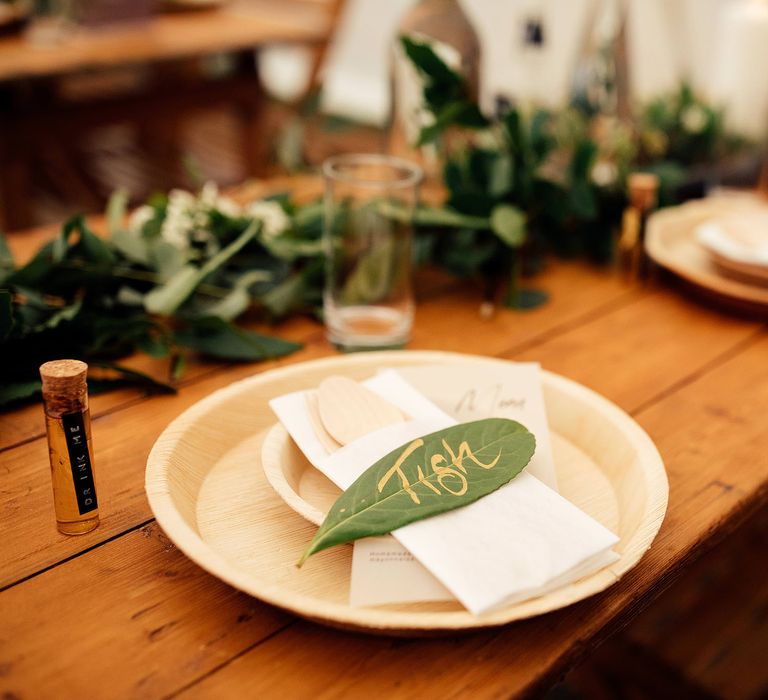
<point x="80" y="461"/>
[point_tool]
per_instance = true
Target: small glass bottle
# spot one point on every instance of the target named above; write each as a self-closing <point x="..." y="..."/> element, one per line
<point x="643" y="194"/>
<point x="68" y="424"/>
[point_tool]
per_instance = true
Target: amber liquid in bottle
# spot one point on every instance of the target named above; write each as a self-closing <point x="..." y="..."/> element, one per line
<point x="71" y="455"/>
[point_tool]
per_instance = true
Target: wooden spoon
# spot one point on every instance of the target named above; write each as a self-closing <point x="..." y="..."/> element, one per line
<point x="314" y="417"/>
<point x="348" y="410"/>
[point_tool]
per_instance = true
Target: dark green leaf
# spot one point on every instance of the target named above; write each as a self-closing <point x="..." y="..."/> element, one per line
<point x="583" y="200"/>
<point x="35" y="271"/>
<point x="6" y="257"/>
<point x="459" y="113"/>
<point x="432" y="216"/>
<point x="6" y="313"/>
<point x="216" y="338"/>
<point x="429" y="63"/>
<point x="472" y="203"/>
<point x="583" y="159"/>
<point x="431" y="475"/>
<point x="13" y="392"/>
<point x="239" y="299"/>
<point x="286" y="296"/>
<point x="126" y="377"/>
<point x="93" y="249"/>
<point x="154" y="345"/>
<point x="525" y="299"/>
<point x="64" y="314"/>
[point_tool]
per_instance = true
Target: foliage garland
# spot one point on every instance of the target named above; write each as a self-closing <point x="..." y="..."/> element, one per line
<point x="181" y="271"/>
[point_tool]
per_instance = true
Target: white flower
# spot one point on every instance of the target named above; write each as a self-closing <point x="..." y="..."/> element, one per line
<point x="180" y="219"/>
<point x="694" y="119"/>
<point x="229" y="207"/>
<point x="210" y="199"/>
<point x="604" y="173"/>
<point x="273" y="218"/>
<point x="209" y="194"/>
<point x="140" y="218"/>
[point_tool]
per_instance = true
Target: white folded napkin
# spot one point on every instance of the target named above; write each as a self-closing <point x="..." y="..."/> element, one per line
<point x="516" y="543"/>
<point x="742" y="238"/>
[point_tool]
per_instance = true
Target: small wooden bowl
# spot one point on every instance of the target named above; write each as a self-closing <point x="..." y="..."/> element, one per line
<point x="207" y="489"/>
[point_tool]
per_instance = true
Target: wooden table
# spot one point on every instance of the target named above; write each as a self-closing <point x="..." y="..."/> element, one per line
<point x="121" y="613"/>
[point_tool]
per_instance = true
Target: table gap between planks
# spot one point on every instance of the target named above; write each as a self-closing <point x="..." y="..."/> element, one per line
<point x="152" y="624"/>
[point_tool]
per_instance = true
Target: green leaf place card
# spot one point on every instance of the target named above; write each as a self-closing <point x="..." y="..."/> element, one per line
<point x="495" y="533"/>
<point x="428" y="475"/>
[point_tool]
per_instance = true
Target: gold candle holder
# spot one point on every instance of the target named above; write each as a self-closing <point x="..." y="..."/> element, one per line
<point x="68" y="424"/>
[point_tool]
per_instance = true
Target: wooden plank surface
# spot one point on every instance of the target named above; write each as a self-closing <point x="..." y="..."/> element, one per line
<point x="155" y="625"/>
<point x="711" y="625"/>
<point x="698" y="505"/>
<point x="165" y="37"/>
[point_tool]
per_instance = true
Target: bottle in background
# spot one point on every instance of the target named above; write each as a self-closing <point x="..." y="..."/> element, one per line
<point x="643" y="195"/>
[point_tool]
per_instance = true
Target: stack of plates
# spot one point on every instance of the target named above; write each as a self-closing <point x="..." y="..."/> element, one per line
<point x="738" y="244"/>
<point x="719" y="244"/>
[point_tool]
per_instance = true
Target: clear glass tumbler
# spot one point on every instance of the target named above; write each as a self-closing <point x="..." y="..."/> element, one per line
<point x="369" y="203"/>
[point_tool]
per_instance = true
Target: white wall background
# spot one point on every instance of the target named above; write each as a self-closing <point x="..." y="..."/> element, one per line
<point x="667" y="41"/>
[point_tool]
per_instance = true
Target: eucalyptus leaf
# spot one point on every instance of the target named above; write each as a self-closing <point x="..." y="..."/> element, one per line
<point x="239" y="299"/>
<point x="287" y="248"/>
<point x="371" y="278"/>
<point x="500" y="177"/>
<point x="309" y="216"/>
<point x="166" y="299"/>
<point x="439" y="472"/>
<point x="128" y="296"/>
<point x="432" y="216"/>
<point x="217" y="338"/>
<point x="116" y="208"/>
<point x="133" y="246"/>
<point x="166" y="258"/>
<point x="508" y="223"/>
<point x="286" y="296"/>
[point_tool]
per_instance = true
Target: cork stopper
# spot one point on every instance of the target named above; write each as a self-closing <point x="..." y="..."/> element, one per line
<point x="643" y="189"/>
<point x="64" y="386"/>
